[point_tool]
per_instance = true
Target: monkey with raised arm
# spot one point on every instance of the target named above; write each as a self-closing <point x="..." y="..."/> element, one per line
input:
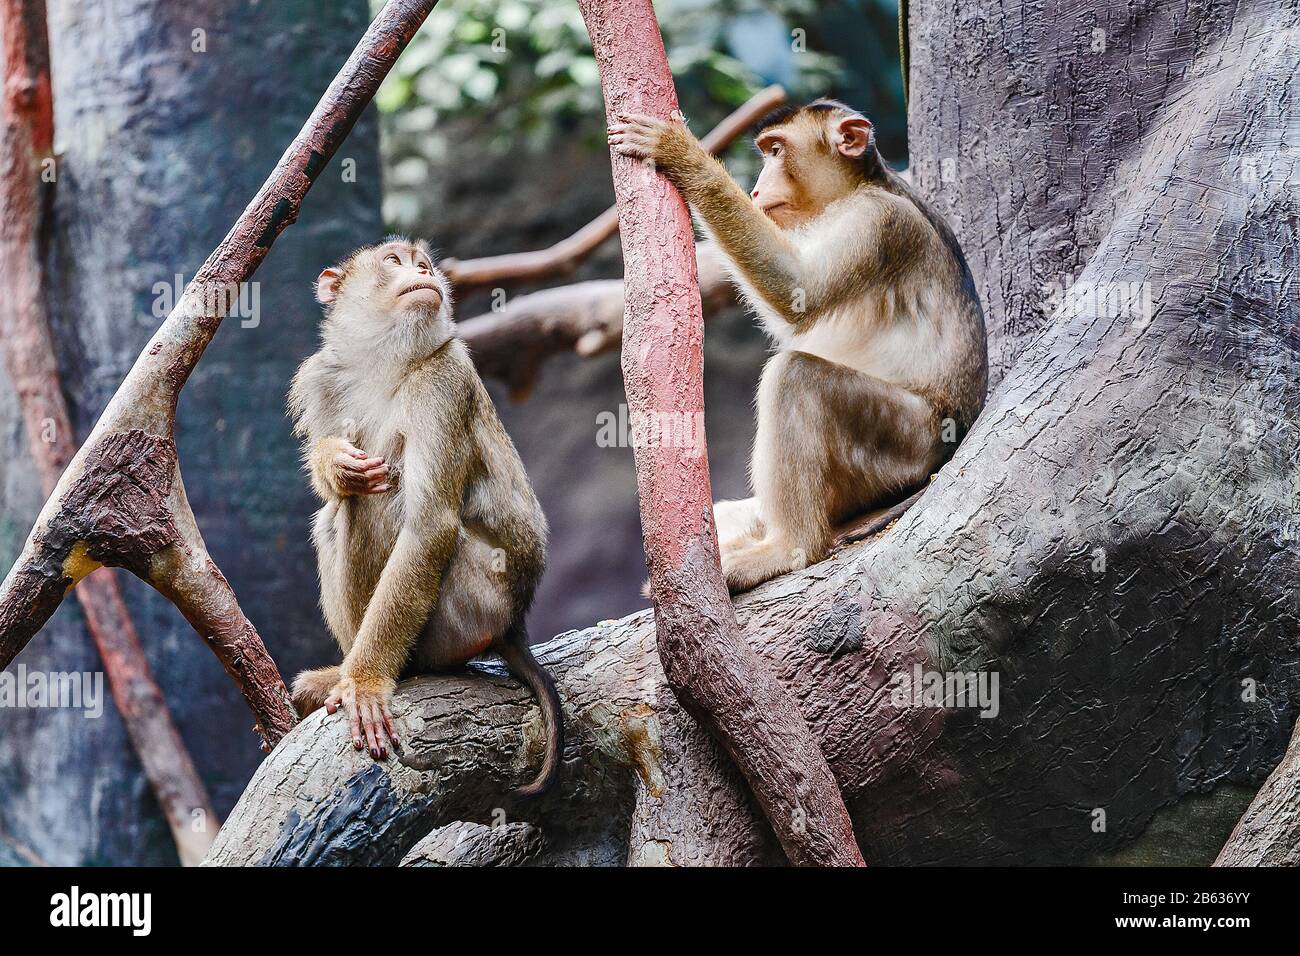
<point x="430" y="542"/>
<point x="881" y="364"/>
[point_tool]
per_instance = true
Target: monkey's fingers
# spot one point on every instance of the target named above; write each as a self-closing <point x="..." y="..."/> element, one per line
<point x="639" y="119"/>
<point x="628" y="148"/>
<point x="353" y="450"/>
<point x="358" y="465"/>
<point x="373" y="720"/>
<point x="354" y="721"/>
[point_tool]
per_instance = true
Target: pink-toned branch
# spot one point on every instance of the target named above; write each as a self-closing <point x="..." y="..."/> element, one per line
<point x="567" y="254"/>
<point x="31" y="365"/>
<point x="121" y="500"/>
<point x="715" y="675"/>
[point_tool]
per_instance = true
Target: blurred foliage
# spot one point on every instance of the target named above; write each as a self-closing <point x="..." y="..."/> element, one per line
<point x="515" y="74"/>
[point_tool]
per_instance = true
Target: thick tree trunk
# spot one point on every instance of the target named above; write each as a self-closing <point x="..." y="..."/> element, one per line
<point x="1115" y="541"/>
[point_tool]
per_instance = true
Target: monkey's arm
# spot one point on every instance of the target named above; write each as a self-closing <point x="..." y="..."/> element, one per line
<point x="438" y="462"/>
<point x="796" y="281"/>
<point x="760" y="250"/>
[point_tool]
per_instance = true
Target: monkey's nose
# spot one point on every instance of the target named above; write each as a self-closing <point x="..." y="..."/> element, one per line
<point x="754" y="193"/>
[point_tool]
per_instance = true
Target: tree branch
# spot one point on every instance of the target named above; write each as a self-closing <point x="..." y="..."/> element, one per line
<point x="586" y="317"/>
<point x="632" y="754"/>
<point x="715" y="676"/>
<point x="1268" y="833"/>
<point x="121" y="501"/>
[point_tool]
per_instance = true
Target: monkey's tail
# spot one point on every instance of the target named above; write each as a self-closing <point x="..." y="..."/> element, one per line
<point x="519" y="658"/>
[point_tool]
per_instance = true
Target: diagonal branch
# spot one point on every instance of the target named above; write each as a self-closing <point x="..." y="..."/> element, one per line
<point x="121" y="501"/>
<point x="585" y="317"/>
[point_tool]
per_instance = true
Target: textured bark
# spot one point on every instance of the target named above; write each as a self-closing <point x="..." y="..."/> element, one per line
<point x="121" y="500"/>
<point x="586" y="318"/>
<point x="1268" y="834"/>
<point x="569" y="253"/>
<point x="631" y="748"/>
<point x="30" y="362"/>
<point x="473" y="844"/>
<point x="1116" y="539"/>
<point x="1117" y="536"/>
<point x="710" y="668"/>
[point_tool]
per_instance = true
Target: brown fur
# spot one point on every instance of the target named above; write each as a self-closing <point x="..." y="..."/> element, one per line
<point x="882" y="360"/>
<point x="424" y="572"/>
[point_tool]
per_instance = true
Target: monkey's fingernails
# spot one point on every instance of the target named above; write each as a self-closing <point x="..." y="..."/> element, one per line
<point x="358" y="743"/>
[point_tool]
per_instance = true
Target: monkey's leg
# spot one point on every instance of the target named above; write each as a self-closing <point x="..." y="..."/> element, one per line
<point x="474" y="608"/>
<point x="310" y="688"/>
<point x="831" y="442"/>
<point x="737" y="523"/>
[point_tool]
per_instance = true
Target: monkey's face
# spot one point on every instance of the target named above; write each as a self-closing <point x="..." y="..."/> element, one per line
<point x="402" y="279"/>
<point x="809" y="161"/>
<point x="385" y="288"/>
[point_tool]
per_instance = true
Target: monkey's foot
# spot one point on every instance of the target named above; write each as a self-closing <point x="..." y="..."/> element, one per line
<point x="370" y="723"/>
<point x="749" y="567"/>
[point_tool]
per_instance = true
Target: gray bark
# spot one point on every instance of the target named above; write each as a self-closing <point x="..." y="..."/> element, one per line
<point x="473" y="844"/>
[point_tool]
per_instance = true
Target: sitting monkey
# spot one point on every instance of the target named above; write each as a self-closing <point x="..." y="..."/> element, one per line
<point x="881" y="364"/>
<point x="431" y="541"/>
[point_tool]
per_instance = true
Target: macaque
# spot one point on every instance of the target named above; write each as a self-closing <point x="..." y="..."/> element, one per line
<point x="881" y="361"/>
<point x="430" y="542"/>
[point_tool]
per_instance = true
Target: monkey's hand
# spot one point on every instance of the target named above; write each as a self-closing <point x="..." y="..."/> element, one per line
<point x="668" y="144"/>
<point x="366" y="699"/>
<point x="343" y="469"/>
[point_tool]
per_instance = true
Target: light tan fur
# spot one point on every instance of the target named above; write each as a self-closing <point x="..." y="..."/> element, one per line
<point x="881" y="359"/>
<point x="430" y="542"/>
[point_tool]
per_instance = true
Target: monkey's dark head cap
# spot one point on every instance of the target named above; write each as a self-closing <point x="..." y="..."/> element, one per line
<point x="783" y="114"/>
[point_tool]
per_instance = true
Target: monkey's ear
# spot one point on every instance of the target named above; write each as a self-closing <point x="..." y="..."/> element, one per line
<point x="854" y="136"/>
<point x="327" y="286"/>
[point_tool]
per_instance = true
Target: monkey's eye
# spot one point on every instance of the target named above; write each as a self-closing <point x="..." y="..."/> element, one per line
<point x="393" y="259"/>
